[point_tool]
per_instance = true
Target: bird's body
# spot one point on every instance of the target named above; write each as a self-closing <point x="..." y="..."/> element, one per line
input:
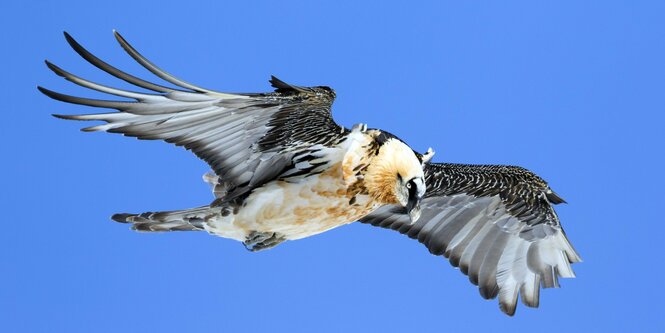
<point x="292" y="207"/>
<point x="305" y="206"/>
<point x="282" y="169"/>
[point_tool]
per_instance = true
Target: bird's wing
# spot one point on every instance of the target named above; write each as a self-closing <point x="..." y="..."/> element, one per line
<point x="247" y="139"/>
<point x="496" y="223"/>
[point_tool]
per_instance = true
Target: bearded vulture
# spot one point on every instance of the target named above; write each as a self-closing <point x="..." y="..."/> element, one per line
<point x="282" y="169"/>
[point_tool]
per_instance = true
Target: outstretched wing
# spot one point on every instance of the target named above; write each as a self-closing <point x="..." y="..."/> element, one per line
<point x="248" y="139"/>
<point x="496" y="223"/>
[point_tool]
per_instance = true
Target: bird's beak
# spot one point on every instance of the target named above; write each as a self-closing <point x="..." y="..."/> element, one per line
<point x="414" y="213"/>
<point x="413" y="208"/>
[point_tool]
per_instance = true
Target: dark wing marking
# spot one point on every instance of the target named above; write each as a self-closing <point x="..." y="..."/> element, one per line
<point x="496" y="223"/>
<point x="248" y="139"/>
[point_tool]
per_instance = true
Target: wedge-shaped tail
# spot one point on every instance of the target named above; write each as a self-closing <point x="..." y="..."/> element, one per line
<point x="193" y="219"/>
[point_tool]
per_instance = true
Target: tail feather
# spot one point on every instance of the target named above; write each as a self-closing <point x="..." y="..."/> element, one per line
<point x="178" y="220"/>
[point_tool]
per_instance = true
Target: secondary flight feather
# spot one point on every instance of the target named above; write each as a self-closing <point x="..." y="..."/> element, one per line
<point x="282" y="169"/>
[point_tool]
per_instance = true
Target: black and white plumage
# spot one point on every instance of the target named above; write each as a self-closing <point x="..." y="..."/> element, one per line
<point x="282" y="169"/>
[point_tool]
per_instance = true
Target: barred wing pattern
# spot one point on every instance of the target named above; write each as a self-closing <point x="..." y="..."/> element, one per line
<point x="496" y="223"/>
<point x="247" y="139"/>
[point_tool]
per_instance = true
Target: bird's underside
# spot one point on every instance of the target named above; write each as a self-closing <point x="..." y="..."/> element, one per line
<point x="282" y="169"/>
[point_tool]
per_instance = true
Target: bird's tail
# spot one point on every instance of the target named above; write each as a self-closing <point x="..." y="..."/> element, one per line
<point x="192" y="219"/>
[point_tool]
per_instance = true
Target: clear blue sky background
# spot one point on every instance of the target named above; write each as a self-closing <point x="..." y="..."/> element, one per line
<point x="569" y="89"/>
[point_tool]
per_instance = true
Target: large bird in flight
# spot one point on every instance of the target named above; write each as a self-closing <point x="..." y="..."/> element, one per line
<point x="282" y="169"/>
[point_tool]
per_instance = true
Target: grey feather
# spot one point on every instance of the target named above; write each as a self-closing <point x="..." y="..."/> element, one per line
<point x="247" y="139"/>
<point x="85" y="54"/>
<point x="496" y="223"/>
<point x="177" y="220"/>
<point x="154" y="69"/>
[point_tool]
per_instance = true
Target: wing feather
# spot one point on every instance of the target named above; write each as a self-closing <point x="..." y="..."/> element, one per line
<point x="156" y="70"/>
<point x="241" y="136"/>
<point x="92" y="59"/>
<point x="496" y="223"/>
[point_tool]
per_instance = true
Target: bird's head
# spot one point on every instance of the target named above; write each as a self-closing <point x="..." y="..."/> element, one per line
<point x="395" y="176"/>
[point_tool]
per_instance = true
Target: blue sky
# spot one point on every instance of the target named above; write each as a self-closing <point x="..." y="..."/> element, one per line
<point x="570" y="90"/>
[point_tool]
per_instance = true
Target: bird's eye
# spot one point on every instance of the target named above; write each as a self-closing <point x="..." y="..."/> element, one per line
<point x="408" y="185"/>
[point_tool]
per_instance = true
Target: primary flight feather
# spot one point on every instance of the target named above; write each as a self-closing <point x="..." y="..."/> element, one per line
<point x="282" y="169"/>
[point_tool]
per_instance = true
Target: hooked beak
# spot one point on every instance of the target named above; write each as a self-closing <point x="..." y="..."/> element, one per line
<point x="413" y="208"/>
